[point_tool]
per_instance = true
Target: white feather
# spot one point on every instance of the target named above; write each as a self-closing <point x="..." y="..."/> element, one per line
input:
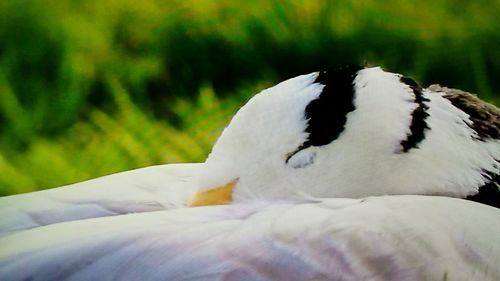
<point x="142" y="190"/>
<point x="379" y="238"/>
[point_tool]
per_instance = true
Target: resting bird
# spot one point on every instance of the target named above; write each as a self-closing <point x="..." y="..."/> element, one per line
<point x="283" y="163"/>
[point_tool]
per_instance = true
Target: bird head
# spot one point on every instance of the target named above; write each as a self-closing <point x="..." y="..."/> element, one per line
<point x="345" y="132"/>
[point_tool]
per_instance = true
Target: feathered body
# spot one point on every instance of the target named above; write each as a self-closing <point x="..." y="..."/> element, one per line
<point x="399" y="238"/>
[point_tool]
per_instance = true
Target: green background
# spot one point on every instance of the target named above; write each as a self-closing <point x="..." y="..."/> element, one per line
<point x="92" y="87"/>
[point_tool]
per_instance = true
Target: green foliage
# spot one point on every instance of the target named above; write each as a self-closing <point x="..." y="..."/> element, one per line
<point x="92" y="87"/>
<point x="103" y="144"/>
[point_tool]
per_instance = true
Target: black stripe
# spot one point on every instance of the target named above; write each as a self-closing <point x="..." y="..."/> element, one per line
<point x="418" y="124"/>
<point x="327" y="114"/>
<point x="489" y="193"/>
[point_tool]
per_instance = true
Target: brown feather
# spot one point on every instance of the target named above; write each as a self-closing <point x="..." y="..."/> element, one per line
<point x="485" y="117"/>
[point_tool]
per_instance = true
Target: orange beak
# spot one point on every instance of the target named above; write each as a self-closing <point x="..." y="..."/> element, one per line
<point x="216" y="196"/>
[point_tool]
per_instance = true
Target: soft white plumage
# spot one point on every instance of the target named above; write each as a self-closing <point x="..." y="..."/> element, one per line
<point x="380" y="238"/>
<point x="391" y="138"/>
<point x="142" y="190"/>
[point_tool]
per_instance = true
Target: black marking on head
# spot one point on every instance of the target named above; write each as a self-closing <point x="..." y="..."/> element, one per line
<point x="327" y="115"/>
<point x="485" y="117"/>
<point x="489" y="193"/>
<point x="418" y="124"/>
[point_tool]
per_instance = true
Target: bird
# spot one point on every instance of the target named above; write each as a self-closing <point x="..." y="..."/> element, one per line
<point x="385" y="164"/>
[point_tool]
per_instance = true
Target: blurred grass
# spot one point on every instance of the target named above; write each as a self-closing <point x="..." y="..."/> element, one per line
<point x="93" y="87"/>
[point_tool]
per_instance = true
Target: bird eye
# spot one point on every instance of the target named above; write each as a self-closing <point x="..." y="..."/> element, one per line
<point x="301" y="158"/>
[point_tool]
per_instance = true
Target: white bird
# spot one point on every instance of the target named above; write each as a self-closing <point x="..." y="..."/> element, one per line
<point x="347" y="132"/>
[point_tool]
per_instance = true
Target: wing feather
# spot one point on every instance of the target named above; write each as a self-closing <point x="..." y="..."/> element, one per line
<point x="378" y="238"/>
<point x="142" y="190"/>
